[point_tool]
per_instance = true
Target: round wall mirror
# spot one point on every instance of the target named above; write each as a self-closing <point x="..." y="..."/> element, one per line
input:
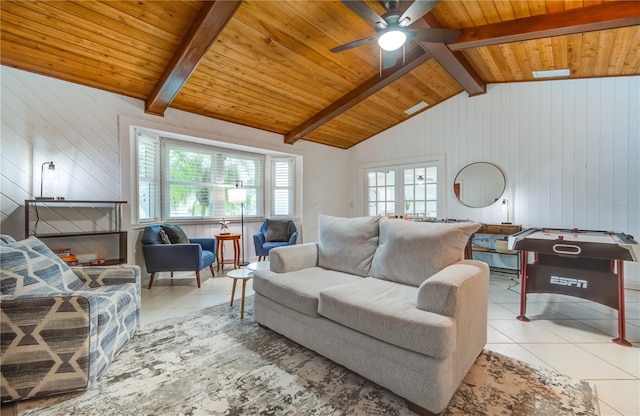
<point x="479" y="184"/>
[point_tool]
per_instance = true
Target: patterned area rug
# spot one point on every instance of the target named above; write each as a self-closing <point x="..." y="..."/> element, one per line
<point x="213" y="363"/>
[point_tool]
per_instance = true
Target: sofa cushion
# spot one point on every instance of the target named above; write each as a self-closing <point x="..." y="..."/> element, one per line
<point x="411" y="252"/>
<point x="347" y="244"/>
<point x="387" y="311"/>
<point x="29" y="266"/>
<point x="299" y="290"/>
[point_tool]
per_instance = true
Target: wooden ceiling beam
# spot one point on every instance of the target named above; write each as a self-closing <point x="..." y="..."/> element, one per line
<point x="586" y="19"/>
<point x="204" y="31"/>
<point x="453" y="62"/>
<point x="414" y="58"/>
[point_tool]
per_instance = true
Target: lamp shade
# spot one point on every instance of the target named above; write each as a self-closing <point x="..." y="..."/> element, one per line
<point x="237" y="195"/>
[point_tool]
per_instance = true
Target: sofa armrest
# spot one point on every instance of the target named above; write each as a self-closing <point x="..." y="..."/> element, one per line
<point x="59" y="327"/>
<point x="465" y="283"/>
<point x="291" y="258"/>
<point x="96" y="276"/>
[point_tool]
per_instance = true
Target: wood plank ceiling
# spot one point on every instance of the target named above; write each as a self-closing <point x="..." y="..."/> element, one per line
<point x="267" y="64"/>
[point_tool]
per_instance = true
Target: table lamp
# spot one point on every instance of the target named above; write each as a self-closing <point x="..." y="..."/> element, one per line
<point x="52" y="168"/>
<point x="239" y="195"/>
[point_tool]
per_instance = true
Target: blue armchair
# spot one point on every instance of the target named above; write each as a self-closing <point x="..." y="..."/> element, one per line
<point x="167" y="249"/>
<point x="274" y="233"/>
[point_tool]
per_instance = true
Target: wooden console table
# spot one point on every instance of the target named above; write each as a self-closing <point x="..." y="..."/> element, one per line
<point x="496" y="232"/>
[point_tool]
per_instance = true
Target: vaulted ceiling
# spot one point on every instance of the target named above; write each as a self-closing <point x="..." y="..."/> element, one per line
<point x="267" y="64"/>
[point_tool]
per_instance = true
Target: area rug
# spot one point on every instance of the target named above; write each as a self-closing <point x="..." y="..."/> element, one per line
<point x="213" y="363"/>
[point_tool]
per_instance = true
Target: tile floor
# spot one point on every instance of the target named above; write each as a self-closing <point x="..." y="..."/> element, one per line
<point x="569" y="335"/>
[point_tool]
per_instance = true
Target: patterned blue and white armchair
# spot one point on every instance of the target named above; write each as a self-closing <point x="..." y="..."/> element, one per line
<point x="60" y="327"/>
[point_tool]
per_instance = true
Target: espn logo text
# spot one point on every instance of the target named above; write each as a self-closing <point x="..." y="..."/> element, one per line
<point x="568" y="281"/>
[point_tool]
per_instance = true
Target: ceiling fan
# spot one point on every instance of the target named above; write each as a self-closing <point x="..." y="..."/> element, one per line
<point x="393" y="27"/>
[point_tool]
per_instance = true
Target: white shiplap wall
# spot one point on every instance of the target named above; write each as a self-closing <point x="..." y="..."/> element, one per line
<point x="570" y="150"/>
<point x="78" y="128"/>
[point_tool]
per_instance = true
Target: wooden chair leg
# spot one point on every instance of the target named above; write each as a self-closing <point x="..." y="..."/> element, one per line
<point x="211" y="268"/>
<point x="151" y="279"/>
<point x="198" y="278"/>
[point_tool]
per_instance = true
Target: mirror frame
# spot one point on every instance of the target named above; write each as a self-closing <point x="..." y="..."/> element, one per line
<point x="494" y="199"/>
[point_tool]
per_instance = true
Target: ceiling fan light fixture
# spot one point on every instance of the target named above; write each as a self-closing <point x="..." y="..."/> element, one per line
<point x="392" y="40"/>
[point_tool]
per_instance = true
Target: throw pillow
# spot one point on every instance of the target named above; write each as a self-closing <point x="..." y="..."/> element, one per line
<point x="29" y="266"/>
<point x="411" y="252"/>
<point x="164" y="237"/>
<point x="277" y="231"/>
<point x="347" y="244"/>
<point x="175" y="233"/>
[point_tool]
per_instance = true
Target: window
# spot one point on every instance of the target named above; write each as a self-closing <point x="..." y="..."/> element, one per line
<point x="148" y="177"/>
<point x="197" y="180"/>
<point x="282" y="186"/>
<point x="381" y="193"/>
<point x="184" y="180"/>
<point x="405" y="189"/>
<point x="421" y="192"/>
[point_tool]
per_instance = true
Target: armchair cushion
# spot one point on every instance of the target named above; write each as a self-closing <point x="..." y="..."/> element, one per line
<point x="277" y="231"/>
<point x="175" y="234"/>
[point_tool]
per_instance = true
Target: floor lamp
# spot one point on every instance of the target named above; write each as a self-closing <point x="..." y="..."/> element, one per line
<point x="239" y="194"/>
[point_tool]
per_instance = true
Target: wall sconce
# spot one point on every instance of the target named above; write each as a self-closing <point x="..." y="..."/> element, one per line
<point x="505" y="207"/>
<point x="52" y="168"/>
<point x="239" y="195"/>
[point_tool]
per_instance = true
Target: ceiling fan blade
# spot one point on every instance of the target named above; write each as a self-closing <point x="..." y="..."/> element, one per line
<point x="353" y="44"/>
<point x="362" y="10"/>
<point x="418" y="9"/>
<point x="390" y="58"/>
<point x="436" y="35"/>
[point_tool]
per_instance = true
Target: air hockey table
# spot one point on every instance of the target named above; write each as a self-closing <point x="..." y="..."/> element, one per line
<point x="582" y="263"/>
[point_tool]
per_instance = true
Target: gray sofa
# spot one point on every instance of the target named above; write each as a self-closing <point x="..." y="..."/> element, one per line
<point x="61" y="327"/>
<point x="392" y="300"/>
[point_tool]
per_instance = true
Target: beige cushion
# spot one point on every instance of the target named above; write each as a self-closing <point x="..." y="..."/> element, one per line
<point x="387" y="311"/>
<point x="410" y="252"/>
<point x="298" y="290"/>
<point x="347" y="244"/>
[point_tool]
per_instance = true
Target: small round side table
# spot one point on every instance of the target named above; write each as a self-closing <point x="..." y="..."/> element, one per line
<point x="221" y="238"/>
<point x="244" y="275"/>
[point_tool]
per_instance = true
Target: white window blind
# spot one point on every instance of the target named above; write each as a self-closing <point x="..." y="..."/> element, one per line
<point x="148" y="177"/>
<point x="197" y="179"/>
<point x="282" y="186"/>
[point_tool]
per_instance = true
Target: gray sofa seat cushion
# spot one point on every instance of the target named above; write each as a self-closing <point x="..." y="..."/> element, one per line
<point x="387" y="311"/>
<point x="411" y="252"/>
<point x="299" y="290"/>
<point x="347" y="244"/>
